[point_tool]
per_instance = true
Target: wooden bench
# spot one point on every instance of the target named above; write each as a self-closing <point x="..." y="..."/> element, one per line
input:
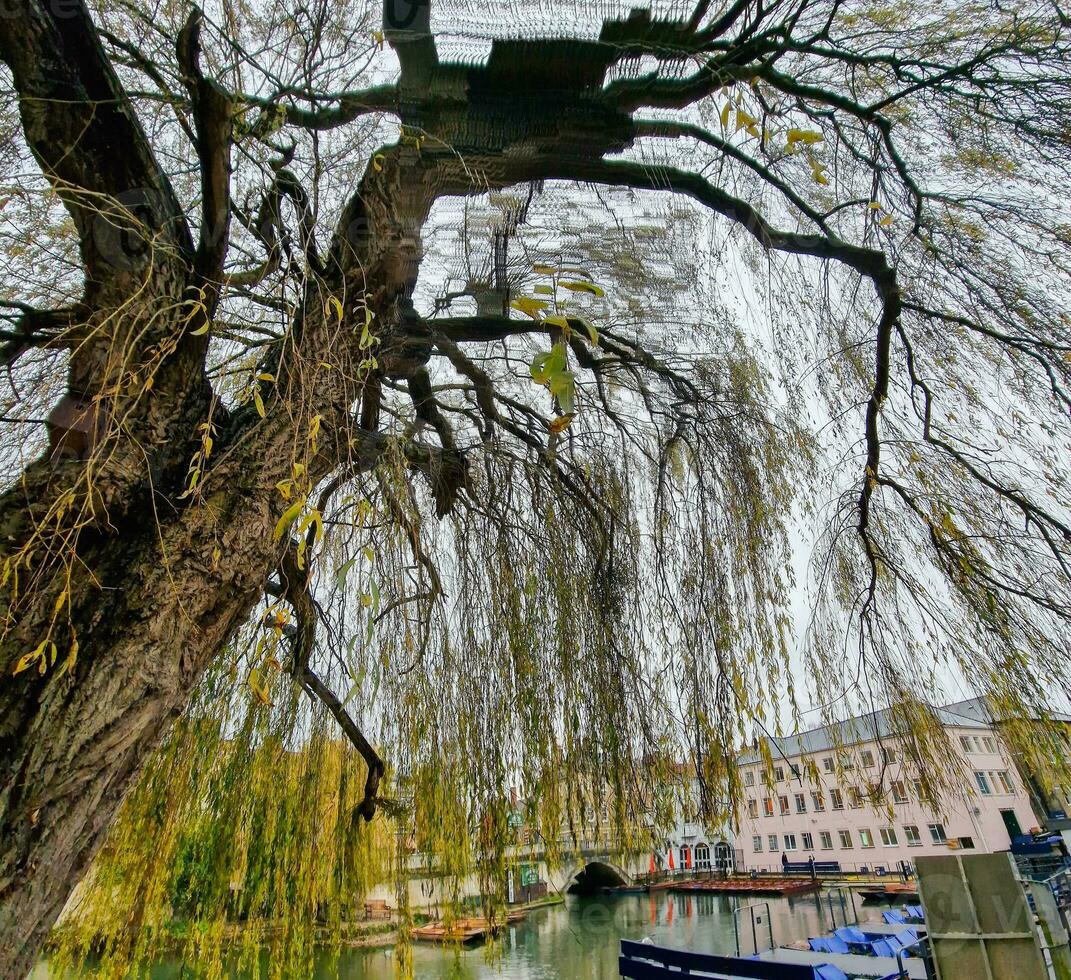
<point x="377" y="908"/>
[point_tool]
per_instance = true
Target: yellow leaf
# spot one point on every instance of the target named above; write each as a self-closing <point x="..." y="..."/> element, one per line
<point x="529" y="306"/>
<point x="377" y="36"/>
<point x="544" y="270"/>
<point x="264" y="376"/>
<point x="72" y="656"/>
<point x="201" y="330"/>
<point x="38" y="653"/>
<point x="584" y="287"/>
<point x="744" y="119"/>
<point x="377" y="162"/>
<point x="806" y="136"/>
<point x="285" y="487"/>
<point x="312" y="518"/>
<point x="886" y="221"/>
<point x="314" y="426"/>
<point x="258" y="689"/>
<point x="259" y="402"/>
<point x="725" y="114"/>
<point x="554" y="320"/>
<point x="874" y="206"/>
<point x="560" y="424"/>
<point x="333" y="304"/>
<point x="289" y="516"/>
<point x="543" y="290"/>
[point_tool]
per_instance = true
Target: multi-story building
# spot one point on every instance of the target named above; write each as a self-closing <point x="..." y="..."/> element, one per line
<point x="849" y="793"/>
<point x="1052" y="803"/>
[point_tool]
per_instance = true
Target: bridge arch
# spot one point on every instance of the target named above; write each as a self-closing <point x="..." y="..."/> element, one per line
<point x="591" y="877"/>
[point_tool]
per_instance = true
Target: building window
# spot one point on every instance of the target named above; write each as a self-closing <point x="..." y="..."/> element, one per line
<point x="801" y="803"/>
<point x="808" y="842"/>
<point x="756" y="843"/>
<point x="1005" y="783"/>
<point x="836" y="799"/>
<point x="778" y="774"/>
<point x="988" y="743"/>
<point x="845" y="839"/>
<point x="866" y="759"/>
<point x="916" y="785"/>
<point x="827" y="764"/>
<point x="937" y="833"/>
<point x="783" y="801"/>
<point x="983" y="784"/>
<point x="702" y="857"/>
<point x="899" y="791"/>
<point x="911" y="835"/>
<point x="749" y="778"/>
<point x="965" y="742"/>
<point x="795" y="771"/>
<point x="866" y="839"/>
<point x="773" y="841"/>
<point x="818" y="802"/>
<point x="753" y="808"/>
<point x="767" y="806"/>
<point x="967" y="843"/>
<point x="790" y="842"/>
<point x="854" y="799"/>
<point x="888" y="837"/>
<point x="826" y="839"/>
<point x="977" y="744"/>
<point x="888" y="755"/>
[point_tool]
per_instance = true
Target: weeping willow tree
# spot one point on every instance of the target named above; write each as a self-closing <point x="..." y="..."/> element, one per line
<point x="460" y="392"/>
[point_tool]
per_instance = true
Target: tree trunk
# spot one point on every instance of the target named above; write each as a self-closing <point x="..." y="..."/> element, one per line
<point x="71" y="745"/>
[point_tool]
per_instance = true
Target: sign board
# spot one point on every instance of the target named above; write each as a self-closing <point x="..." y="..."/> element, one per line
<point x="529" y="874"/>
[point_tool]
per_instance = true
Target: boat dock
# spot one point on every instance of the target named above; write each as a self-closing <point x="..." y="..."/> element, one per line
<point x="750" y="886"/>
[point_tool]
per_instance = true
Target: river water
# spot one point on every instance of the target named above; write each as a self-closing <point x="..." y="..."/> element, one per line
<point x="580" y="939"/>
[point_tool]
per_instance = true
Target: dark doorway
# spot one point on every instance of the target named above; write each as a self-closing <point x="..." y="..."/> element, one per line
<point x="1011" y="821"/>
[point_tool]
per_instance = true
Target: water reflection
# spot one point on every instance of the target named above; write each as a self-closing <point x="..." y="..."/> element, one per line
<point x="579" y="941"/>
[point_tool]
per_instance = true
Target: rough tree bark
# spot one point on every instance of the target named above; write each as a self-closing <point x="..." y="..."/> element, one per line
<point x="158" y="584"/>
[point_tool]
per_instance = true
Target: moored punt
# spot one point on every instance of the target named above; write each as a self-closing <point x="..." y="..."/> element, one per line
<point x="893" y="892"/>
<point x="643" y="961"/>
<point x="465" y="930"/>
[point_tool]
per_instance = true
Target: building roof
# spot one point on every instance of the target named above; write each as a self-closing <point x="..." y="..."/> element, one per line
<point x="977" y="708"/>
<point x="862" y="728"/>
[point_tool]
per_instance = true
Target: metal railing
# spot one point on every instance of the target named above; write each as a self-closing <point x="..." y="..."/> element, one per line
<point x="755" y="922"/>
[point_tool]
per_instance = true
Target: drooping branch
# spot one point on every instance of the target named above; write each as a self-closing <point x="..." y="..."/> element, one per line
<point x="295" y="590"/>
